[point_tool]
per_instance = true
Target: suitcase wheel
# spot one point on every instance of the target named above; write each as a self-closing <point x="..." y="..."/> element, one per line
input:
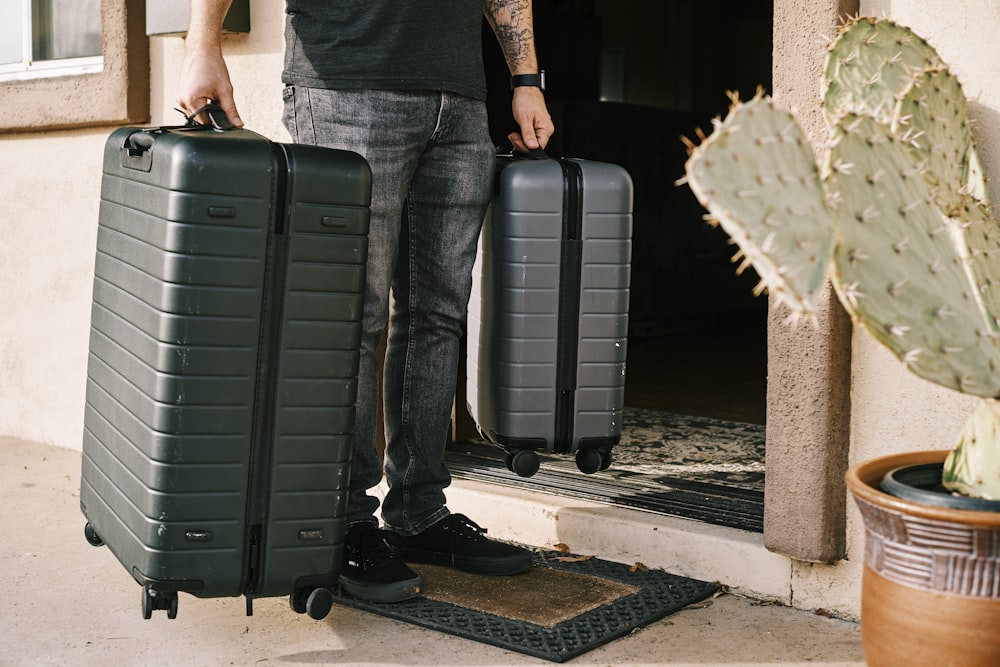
<point x="297" y="600"/>
<point x="92" y="536"/>
<point x="590" y="460"/>
<point x="316" y="602"/>
<point x="524" y="462"/>
<point x="319" y="603"/>
<point x="152" y="601"/>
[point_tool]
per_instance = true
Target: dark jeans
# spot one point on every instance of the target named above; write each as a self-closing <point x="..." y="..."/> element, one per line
<point x="431" y="151"/>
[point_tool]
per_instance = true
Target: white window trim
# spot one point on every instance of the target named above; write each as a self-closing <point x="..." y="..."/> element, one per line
<point x="27" y="69"/>
<point x="50" y="68"/>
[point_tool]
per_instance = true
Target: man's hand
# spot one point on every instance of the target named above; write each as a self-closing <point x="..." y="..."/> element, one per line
<point x="204" y="75"/>
<point x="532" y="116"/>
<point x="205" y="78"/>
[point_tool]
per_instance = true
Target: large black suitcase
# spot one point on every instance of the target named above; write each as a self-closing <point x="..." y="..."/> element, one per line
<point x="548" y="315"/>
<point x="223" y="363"/>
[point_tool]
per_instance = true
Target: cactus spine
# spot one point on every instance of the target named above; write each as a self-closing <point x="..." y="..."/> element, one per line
<point x="896" y="218"/>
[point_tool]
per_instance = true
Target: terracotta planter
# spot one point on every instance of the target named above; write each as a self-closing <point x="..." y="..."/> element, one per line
<point x="930" y="593"/>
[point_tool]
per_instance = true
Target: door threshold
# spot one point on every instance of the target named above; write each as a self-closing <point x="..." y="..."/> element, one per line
<point x="731" y="505"/>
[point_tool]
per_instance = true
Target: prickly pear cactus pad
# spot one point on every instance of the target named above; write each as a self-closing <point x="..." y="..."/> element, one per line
<point x="870" y="63"/>
<point x="931" y="114"/>
<point x="757" y="176"/>
<point x="897" y="269"/>
<point x="973" y="467"/>
<point x="978" y="244"/>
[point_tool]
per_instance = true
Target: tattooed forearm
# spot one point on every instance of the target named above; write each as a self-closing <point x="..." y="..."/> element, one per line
<point x="516" y="45"/>
<point x="512" y="23"/>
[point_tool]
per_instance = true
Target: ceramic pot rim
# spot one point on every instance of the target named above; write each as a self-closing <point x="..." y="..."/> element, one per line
<point x="863" y="480"/>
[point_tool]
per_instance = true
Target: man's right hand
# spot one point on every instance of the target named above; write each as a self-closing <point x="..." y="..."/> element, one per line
<point x="205" y="78"/>
<point x="204" y="75"/>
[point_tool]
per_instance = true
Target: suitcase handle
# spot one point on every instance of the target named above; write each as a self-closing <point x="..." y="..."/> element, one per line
<point x="533" y="154"/>
<point x="136" y="152"/>
<point x="216" y="116"/>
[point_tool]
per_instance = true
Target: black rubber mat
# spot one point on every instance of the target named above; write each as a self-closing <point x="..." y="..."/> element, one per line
<point x="650" y="596"/>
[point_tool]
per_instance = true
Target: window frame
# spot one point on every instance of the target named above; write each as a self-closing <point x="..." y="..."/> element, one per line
<point x="28" y="67"/>
<point x="74" y="94"/>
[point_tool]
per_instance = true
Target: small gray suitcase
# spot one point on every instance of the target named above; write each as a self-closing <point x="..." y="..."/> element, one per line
<point x="548" y="315"/>
<point x="223" y="363"/>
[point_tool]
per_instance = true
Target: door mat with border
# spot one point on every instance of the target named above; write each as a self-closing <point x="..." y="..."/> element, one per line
<point x="562" y="607"/>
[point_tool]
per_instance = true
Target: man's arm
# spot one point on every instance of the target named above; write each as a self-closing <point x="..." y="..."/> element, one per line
<point x="204" y="75"/>
<point x="513" y="23"/>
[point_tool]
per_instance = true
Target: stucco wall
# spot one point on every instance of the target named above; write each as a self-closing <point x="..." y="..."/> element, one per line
<point x="48" y="227"/>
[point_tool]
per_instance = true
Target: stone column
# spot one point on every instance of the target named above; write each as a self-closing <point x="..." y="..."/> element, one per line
<point x="808" y="368"/>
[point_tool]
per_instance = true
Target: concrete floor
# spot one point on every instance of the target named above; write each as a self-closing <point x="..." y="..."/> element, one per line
<point x="67" y="603"/>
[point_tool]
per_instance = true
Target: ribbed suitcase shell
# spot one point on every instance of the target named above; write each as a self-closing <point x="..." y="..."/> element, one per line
<point x="548" y="316"/>
<point x="223" y="361"/>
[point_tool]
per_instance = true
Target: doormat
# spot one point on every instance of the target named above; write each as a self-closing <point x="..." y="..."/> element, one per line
<point x="562" y="607"/>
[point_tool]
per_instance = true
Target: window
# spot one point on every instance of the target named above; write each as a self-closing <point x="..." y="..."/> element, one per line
<point x="49" y="37"/>
<point x="72" y="63"/>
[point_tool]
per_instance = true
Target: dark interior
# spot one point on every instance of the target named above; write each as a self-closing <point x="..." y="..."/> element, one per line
<point x="626" y="79"/>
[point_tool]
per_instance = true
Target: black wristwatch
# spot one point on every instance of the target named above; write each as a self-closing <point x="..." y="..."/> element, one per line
<point x="535" y="80"/>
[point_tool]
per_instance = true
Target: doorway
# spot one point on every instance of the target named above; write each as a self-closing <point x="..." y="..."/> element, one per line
<point x="626" y="79"/>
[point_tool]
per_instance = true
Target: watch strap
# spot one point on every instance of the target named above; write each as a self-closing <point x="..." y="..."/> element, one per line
<point x="534" y="80"/>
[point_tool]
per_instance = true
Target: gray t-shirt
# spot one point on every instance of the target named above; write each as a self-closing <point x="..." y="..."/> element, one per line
<point x="385" y="44"/>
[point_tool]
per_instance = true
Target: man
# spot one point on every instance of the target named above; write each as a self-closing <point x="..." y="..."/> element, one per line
<point x="401" y="82"/>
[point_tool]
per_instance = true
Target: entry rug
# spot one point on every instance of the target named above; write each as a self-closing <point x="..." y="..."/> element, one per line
<point x="562" y="607"/>
<point x="712" y="451"/>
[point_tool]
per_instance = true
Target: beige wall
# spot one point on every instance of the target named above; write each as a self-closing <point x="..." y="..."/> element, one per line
<point x="48" y="216"/>
<point x="49" y="191"/>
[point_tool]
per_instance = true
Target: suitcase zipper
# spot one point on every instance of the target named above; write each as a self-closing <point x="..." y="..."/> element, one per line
<point x="262" y="438"/>
<point x="570" y="264"/>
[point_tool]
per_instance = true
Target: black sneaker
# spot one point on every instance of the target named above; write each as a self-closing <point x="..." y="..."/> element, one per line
<point x="372" y="572"/>
<point x="458" y="542"/>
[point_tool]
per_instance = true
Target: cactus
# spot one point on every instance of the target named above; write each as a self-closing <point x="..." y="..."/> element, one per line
<point x="869" y="65"/>
<point x="896" y="218"/>
<point x="758" y="179"/>
<point x="891" y="263"/>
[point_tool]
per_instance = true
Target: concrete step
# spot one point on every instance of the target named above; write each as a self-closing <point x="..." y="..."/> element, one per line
<point x="735" y="558"/>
